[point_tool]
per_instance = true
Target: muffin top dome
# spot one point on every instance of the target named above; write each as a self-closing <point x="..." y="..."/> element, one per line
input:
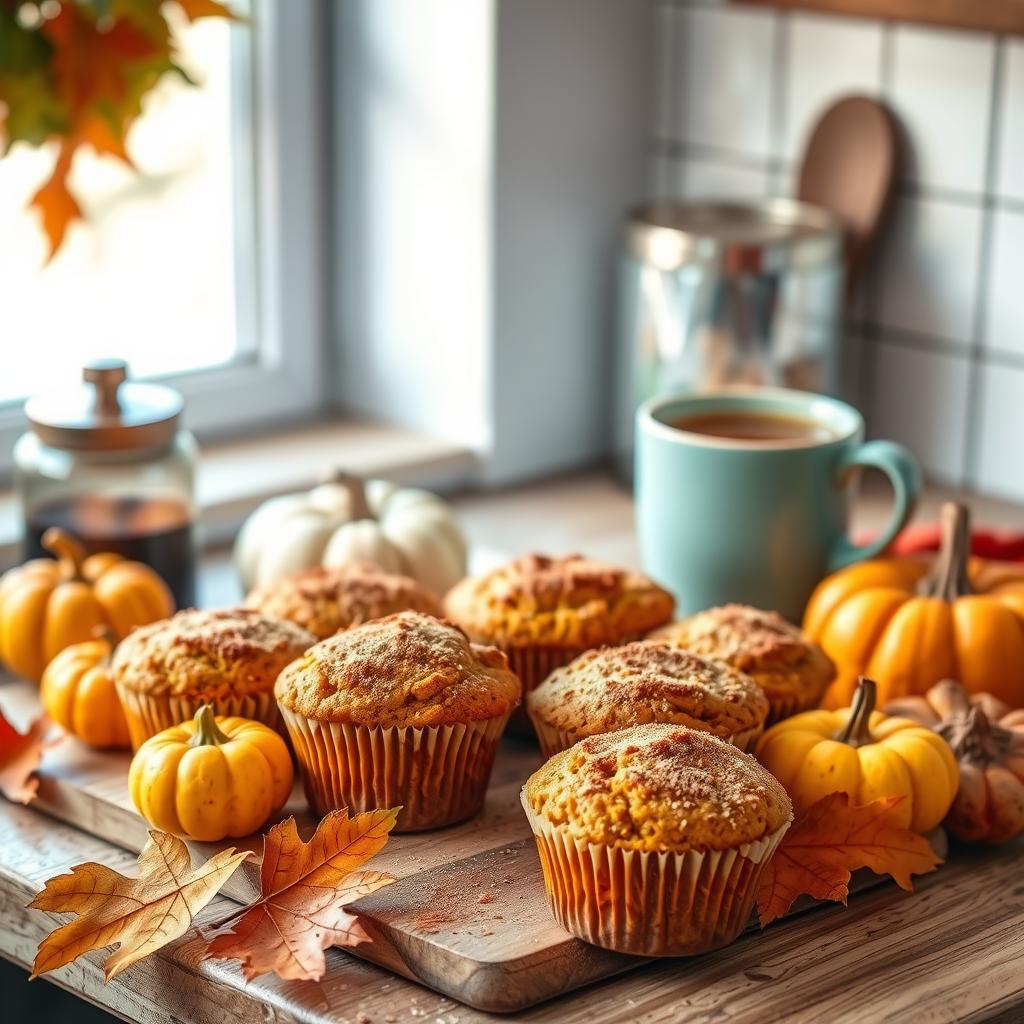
<point x="405" y="669"/>
<point x="781" y="658"/>
<point x="659" y="787"/>
<point x="569" y="600"/>
<point x="209" y="654"/>
<point x="646" y="681"/>
<point x="326" y="600"/>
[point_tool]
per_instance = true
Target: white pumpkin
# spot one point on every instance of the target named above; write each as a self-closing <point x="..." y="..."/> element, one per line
<point x="404" y="530"/>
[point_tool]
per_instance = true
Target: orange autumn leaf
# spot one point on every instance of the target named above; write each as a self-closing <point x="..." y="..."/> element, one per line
<point x="141" y="914"/>
<point x="832" y="839"/>
<point x="194" y="9"/>
<point x="20" y="754"/>
<point x="304" y="888"/>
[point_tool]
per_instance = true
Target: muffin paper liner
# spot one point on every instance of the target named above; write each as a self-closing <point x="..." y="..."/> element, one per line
<point x="788" y="705"/>
<point x="147" y="714"/>
<point x="649" y="903"/>
<point x="437" y="774"/>
<point x="553" y="740"/>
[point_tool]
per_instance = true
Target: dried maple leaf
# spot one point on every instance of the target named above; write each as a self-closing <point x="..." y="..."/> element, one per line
<point x="832" y="839"/>
<point x="303" y="891"/>
<point x="142" y="914"/>
<point x="20" y="754"/>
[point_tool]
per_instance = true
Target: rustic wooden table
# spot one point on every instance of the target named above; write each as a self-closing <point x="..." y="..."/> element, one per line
<point x="951" y="951"/>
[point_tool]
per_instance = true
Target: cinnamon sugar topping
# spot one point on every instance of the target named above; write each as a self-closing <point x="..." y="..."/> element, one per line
<point x="646" y="681"/>
<point x="569" y="600"/>
<point x="405" y="669"/>
<point x="659" y="787"/>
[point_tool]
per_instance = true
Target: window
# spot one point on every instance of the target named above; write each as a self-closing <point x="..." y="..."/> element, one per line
<point x="201" y="268"/>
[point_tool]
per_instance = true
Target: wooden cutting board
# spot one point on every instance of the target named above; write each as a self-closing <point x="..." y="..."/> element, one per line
<point x="467" y="916"/>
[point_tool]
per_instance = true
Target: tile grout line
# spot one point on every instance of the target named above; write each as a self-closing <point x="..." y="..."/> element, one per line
<point x="977" y="350"/>
<point x="873" y="285"/>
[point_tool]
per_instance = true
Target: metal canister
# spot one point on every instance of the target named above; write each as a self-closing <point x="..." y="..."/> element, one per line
<point x="718" y="294"/>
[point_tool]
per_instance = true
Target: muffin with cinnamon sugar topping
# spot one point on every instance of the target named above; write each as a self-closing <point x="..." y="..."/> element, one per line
<point x="402" y="710"/>
<point x="543" y="611"/>
<point x="792" y="670"/>
<point x="642" y="682"/>
<point x="326" y="600"/>
<point x="653" y="839"/>
<point x="227" y="658"/>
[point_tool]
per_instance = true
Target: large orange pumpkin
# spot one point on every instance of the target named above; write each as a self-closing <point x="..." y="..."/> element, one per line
<point x="907" y="623"/>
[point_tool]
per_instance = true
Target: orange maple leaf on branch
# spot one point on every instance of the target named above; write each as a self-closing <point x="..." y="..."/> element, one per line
<point x="78" y="78"/>
<point x="832" y="839"/>
<point x="20" y="754"/>
<point x="142" y="914"/>
<point x="304" y="888"/>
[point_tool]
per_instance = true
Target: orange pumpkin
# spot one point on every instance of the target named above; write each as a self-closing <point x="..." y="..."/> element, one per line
<point x="48" y="604"/>
<point x="908" y="624"/>
<point x="77" y="691"/>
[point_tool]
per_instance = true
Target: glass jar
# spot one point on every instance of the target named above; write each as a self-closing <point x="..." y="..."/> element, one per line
<point x="109" y="462"/>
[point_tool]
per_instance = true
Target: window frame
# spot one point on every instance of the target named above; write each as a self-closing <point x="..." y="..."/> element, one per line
<point x="281" y="235"/>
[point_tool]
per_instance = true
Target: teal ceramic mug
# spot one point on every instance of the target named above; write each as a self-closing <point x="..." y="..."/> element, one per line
<point x="758" y="522"/>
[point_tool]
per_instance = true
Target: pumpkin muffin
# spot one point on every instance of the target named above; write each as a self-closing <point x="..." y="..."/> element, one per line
<point x="229" y="659"/>
<point x="641" y="682"/>
<point x="792" y="670"/>
<point x="326" y="601"/>
<point x="403" y="710"/>
<point x="653" y="839"/>
<point x="543" y="612"/>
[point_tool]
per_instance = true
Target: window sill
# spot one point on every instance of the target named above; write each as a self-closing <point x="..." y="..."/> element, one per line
<point x="234" y="477"/>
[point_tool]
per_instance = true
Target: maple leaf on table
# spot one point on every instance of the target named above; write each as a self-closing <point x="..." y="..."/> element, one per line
<point x="20" y="754"/>
<point x="304" y="888"/>
<point x="142" y="914"/>
<point x="832" y="839"/>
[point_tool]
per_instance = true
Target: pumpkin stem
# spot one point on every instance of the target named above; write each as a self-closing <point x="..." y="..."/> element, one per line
<point x="857" y="731"/>
<point x="975" y="738"/>
<point x="948" y="578"/>
<point x="207" y="732"/>
<point x="68" y="550"/>
<point x="359" y="507"/>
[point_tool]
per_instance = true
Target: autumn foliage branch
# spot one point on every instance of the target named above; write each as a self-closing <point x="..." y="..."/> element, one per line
<point x="75" y="73"/>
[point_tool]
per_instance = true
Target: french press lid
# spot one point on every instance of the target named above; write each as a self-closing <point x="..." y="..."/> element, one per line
<point x="107" y="412"/>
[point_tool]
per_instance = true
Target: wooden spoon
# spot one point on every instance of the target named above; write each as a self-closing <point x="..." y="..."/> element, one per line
<point x="850" y="167"/>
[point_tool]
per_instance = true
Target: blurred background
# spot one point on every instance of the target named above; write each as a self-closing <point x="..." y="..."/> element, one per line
<point x="414" y="212"/>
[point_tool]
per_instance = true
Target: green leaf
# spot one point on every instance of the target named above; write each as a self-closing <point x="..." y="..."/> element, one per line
<point x="35" y="110"/>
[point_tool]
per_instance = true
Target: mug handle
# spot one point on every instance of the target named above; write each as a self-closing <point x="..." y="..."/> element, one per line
<point x="905" y="475"/>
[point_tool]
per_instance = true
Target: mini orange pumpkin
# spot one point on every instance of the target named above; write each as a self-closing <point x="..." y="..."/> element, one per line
<point x="48" y="604"/>
<point x="987" y="739"/>
<point x="77" y="691"/>
<point x="908" y="625"/>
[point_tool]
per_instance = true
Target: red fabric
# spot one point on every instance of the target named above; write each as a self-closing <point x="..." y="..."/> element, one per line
<point x="1001" y="545"/>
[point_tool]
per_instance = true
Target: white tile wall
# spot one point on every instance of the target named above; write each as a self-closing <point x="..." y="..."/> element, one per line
<point x="1000" y="467"/>
<point x="941" y="90"/>
<point x="828" y="58"/>
<point x="928" y="272"/>
<point x="920" y="399"/>
<point x="699" y="178"/>
<point x="936" y="342"/>
<point x="1004" y="324"/>
<point x="723" y="81"/>
<point x="1010" y="146"/>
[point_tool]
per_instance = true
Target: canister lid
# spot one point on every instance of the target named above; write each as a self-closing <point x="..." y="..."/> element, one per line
<point x="106" y="412"/>
<point x="735" y="237"/>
